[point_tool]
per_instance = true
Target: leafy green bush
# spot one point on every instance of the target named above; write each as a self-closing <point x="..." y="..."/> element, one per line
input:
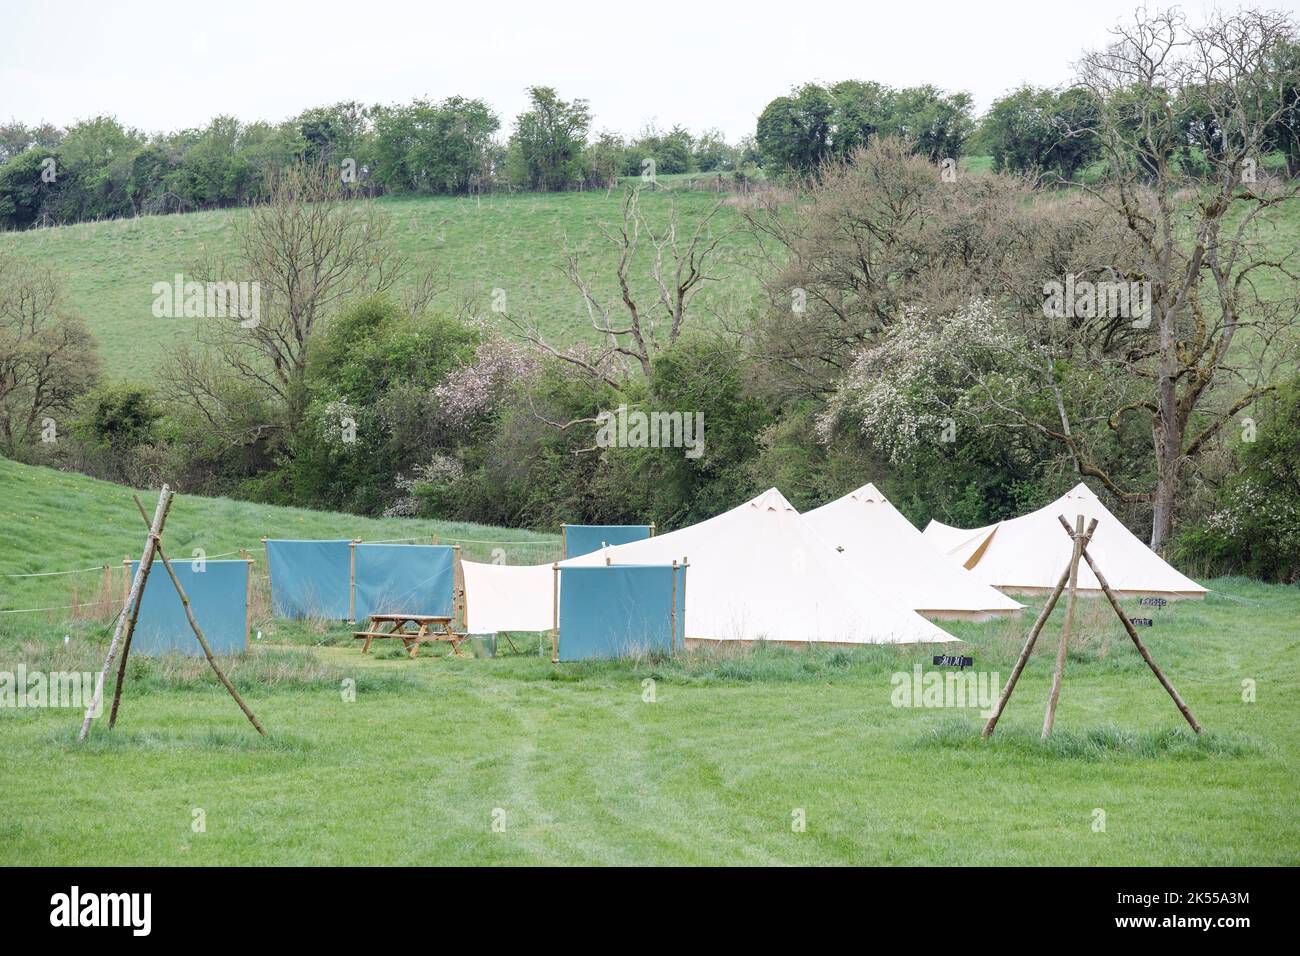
<point x="373" y="411"/>
<point x="1256" y="529"/>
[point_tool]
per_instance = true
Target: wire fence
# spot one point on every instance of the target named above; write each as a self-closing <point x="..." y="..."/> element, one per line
<point x="225" y="554"/>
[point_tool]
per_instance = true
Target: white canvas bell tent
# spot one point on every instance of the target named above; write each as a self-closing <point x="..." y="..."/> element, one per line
<point x="757" y="572"/>
<point x="1028" y="554"/>
<point x="504" y="597"/>
<point x="876" y="540"/>
<point x="963" y="545"/>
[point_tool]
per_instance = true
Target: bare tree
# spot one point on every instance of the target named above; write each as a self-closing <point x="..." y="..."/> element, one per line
<point x="879" y="232"/>
<point x="1200" y="234"/>
<point x="633" y="327"/>
<point x="309" y="248"/>
<point x="47" y="356"/>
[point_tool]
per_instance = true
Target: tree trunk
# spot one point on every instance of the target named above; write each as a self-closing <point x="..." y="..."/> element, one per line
<point x="1169" y="457"/>
<point x="1167" y="431"/>
<point x="1162" y="515"/>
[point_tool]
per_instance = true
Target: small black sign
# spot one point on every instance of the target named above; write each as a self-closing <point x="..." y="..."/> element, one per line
<point x="949" y="660"/>
<point x="1142" y="622"/>
<point x="1153" y="602"/>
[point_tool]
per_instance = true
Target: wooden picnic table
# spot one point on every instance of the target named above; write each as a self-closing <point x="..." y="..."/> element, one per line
<point x="426" y="630"/>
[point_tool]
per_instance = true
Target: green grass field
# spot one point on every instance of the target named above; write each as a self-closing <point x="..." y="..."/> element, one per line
<point x="510" y="242"/>
<point x="575" y="766"/>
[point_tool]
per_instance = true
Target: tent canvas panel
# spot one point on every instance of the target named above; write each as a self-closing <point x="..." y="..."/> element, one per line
<point x="504" y="597"/>
<point x="218" y="596"/>
<point x="874" y="538"/>
<point x="758" y="573"/>
<point x="1026" y="555"/>
<point x="405" y="578"/>
<point x="620" y="610"/>
<point x="309" y="579"/>
<point x="582" y="539"/>
<point x="964" y="545"/>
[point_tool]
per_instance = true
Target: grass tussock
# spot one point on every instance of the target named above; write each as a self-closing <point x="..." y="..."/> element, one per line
<point x="1089" y="743"/>
<point x="246" y="740"/>
<point x="266" y="668"/>
<point x="757" y="663"/>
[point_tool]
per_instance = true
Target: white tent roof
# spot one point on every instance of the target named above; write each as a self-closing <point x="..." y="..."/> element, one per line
<point x="1029" y="553"/>
<point x="758" y="572"/>
<point x="503" y="597"/>
<point x="881" y="544"/>
<point x="963" y="544"/>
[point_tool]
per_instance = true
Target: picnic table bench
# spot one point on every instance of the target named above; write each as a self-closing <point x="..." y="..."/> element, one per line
<point x="427" y="628"/>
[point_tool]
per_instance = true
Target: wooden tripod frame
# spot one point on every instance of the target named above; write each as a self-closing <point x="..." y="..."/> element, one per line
<point x="126" y="621"/>
<point x="1081" y="537"/>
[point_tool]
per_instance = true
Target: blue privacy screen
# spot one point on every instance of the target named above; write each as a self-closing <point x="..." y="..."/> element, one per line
<point x="614" y="611"/>
<point x="586" y="538"/>
<point x="404" y="579"/>
<point x="310" y="579"/>
<point x="218" y="598"/>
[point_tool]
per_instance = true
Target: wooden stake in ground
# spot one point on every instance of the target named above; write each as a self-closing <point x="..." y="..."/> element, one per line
<point x="248" y="596"/>
<point x="132" y="598"/>
<point x="459" y="600"/>
<point x="1070" y="601"/>
<point x="673" y="611"/>
<point x="1033" y="639"/>
<point x="352" y="580"/>
<point x="1137" y="641"/>
<point x="198" y="632"/>
<point x="555" y="614"/>
<point x="107" y="590"/>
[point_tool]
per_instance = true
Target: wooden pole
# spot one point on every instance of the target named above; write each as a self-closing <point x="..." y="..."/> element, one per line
<point x="127" y="640"/>
<point x="352" y="580"/>
<point x="458" y="590"/>
<point x="673" y="613"/>
<point x="198" y="632"/>
<point x="1061" y="649"/>
<point x="555" y="614"/>
<point x="248" y="596"/>
<point x="685" y="564"/>
<point x="269" y="584"/>
<point x="458" y="587"/>
<point x="126" y="651"/>
<point x="1043" y="615"/>
<point x="132" y="606"/>
<point x="652" y="529"/>
<point x="126" y="579"/>
<point x="1137" y="641"/>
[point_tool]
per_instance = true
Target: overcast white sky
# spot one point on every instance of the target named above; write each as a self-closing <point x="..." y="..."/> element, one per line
<point x="168" y="64"/>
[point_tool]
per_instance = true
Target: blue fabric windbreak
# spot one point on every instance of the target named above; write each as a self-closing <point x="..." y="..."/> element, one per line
<point x="586" y="538"/>
<point x="616" y="610"/>
<point x="218" y="598"/>
<point x="310" y="578"/>
<point x="404" y="579"/>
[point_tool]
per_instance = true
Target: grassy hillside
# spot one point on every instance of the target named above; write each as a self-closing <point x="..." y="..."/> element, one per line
<point x="510" y="242"/>
<point x="581" y="768"/>
<point x="515" y="243"/>
<point x="56" y="521"/>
